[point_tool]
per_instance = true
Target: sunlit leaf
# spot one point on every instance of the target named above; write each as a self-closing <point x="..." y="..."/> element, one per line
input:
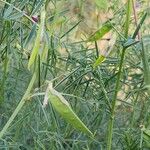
<point x="101" y="32"/>
<point x="99" y="60"/>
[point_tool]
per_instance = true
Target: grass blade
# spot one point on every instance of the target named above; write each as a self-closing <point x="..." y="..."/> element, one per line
<point x="139" y="26"/>
<point x="70" y="29"/>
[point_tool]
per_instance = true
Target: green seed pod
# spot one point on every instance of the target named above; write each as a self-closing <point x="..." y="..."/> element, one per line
<point x="61" y="105"/>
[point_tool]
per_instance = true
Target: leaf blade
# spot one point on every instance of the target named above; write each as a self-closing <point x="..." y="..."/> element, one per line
<point x="98" y="61"/>
<point x="101" y="32"/>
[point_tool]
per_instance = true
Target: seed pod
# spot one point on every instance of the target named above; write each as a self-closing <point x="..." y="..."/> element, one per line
<point x="61" y="105"/>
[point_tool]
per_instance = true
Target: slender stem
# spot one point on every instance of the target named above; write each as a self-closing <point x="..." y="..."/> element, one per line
<point x="111" y="121"/>
<point x="39" y="71"/>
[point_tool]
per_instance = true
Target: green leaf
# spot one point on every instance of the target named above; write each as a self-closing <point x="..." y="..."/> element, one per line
<point x="37" y="40"/>
<point x="101" y="32"/>
<point x="139" y="26"/>
<point x="70" y="29"/>
<point x="98" y="61"/>
<point x="64" y="109"/>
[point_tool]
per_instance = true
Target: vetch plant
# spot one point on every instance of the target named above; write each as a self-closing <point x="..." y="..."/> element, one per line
<point x="61" y="88"/>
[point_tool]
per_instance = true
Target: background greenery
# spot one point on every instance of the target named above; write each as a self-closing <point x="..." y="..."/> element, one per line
<point x="69" y="57"/>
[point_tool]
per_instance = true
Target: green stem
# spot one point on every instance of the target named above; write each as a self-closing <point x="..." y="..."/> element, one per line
<point x="111" y="121"/>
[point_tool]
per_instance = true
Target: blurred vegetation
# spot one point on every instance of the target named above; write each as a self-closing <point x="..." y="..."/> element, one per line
<point x="79" y="46"/>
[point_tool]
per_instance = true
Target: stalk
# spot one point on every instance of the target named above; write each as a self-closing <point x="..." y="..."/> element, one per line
<point x="111" y="121"/>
